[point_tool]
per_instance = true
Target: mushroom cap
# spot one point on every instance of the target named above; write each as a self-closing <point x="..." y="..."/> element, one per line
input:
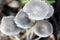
<point x="43" y="28"/>
<point x="13" y="4"/>
<point x="23" y="21"/>
<point x="50" y="13"/>
<point x="8" y="26"/>
<point x="36" y="10"/>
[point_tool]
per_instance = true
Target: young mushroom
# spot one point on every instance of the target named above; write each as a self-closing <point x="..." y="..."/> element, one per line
<point x="23" y="21"/>
<point x="8" y="26"/>
<point x="42" y="29"/>
<point x="13" y="4"/>
<point x="36" y="10"/>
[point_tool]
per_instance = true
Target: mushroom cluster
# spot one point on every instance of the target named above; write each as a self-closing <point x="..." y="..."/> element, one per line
<point x="32" y="17"/>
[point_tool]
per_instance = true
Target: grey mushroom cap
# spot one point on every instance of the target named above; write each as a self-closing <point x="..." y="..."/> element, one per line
<point x="36" y="10"/>
<point x="23" y="21"/>
<point x="43" y="28"/>
<point x="8" y="26"/>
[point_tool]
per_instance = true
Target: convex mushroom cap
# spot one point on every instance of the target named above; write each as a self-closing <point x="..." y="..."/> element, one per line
<point x="43" y="28"/>
<point x="8" y="26"/>
<point x="36" y="10"/>
<point x="23" y="21"/>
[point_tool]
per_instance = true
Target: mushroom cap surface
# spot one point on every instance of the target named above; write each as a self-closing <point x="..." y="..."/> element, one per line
<point x="8" y="26"/>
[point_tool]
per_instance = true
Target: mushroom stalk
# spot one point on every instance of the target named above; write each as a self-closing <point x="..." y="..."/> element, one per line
<point x="38" y="38"/>
<point x="27" y="33"/>
<point x="16" y="38"/>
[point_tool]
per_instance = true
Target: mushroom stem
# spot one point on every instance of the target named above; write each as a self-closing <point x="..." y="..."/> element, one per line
<point x="31" y="35"/>
<point x="38" y="38"/>
<point x="27" y="33"/>
<point x="16" y="38"/>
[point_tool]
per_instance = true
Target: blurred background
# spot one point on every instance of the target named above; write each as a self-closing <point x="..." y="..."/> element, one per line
<point x="11" y="7"/>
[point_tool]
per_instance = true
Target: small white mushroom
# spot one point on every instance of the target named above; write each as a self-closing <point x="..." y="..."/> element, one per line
<point x="23" y="21"/>
<point x="13" y="4"/>
<point x="8" y="26"/>
<point x="50" y="13"/>
<point x="43" y="28"/>
<point x="36" y="10"/>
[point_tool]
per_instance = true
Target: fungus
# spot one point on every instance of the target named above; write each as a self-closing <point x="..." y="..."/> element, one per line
<point x="43" y="28"/>
<point x="8" y="26"/>
<point x="13" y="4"/>
<point x="36" y="10"/>
<point x="23" y="21"/>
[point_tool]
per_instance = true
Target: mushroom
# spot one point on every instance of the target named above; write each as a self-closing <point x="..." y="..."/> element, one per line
<point x="23" y="21"/>
<point x="50" y="13"/>
<point x="36" y="10"/>
<point x="13" y="4"/>
<point x="43" y="28"/>
<point x="8" y="26"/>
